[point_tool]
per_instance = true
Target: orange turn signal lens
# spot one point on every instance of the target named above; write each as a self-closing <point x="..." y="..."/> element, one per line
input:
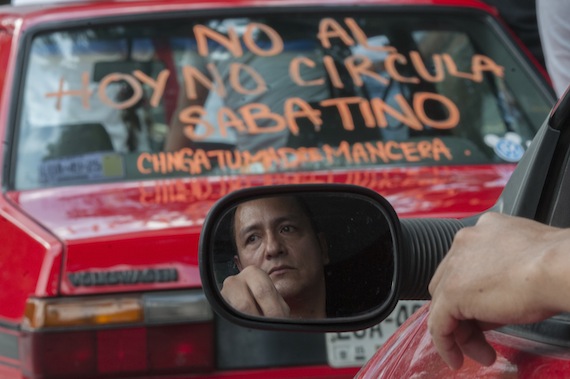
<point x="54" y="313"/>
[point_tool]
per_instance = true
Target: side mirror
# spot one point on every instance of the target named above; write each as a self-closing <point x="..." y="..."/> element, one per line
<point x="332" y="253"/>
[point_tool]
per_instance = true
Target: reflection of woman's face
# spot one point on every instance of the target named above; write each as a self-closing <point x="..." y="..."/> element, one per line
<point x="277" y="236"/>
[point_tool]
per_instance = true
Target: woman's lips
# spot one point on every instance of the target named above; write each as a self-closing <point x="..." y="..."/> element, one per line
<point x="279" y="270"/>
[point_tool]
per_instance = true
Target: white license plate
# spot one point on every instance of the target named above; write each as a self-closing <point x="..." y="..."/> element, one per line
<point x="349" y="349"/>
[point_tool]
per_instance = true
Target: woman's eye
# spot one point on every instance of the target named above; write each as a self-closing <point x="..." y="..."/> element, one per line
<point x="250" y="239"/>
<point x="288" y="229"/>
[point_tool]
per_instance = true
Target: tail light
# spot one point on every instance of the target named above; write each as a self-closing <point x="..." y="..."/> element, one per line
<point x="154" y="333"/>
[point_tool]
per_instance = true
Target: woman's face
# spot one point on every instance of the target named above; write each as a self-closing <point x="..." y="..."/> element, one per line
<point x="276" y="235"/>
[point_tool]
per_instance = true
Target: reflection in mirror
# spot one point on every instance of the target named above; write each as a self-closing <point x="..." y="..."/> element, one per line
<point x="308" y="256"/>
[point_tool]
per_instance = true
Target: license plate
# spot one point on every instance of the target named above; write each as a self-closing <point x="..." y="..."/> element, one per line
<point x="349" y="349"/>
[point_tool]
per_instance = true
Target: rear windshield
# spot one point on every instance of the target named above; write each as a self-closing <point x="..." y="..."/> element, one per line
<point x="265" y="94"/>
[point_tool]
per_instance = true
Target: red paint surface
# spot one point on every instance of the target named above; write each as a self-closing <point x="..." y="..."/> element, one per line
<point x="409" y="353"/>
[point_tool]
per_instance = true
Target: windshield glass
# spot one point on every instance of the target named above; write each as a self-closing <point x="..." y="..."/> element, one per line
<point x="267" y="94"/>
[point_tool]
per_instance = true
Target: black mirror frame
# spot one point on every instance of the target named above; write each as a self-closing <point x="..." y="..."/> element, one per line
<point x="323" y="325"/>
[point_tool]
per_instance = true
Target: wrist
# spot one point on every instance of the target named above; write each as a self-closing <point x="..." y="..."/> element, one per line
<point x="550" y="278"/>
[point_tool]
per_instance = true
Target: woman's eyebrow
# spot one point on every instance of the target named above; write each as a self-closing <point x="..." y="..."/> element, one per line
<point x="255" y="225"/>
<point x="249" y="228"/>
<point x="293" y="217"/>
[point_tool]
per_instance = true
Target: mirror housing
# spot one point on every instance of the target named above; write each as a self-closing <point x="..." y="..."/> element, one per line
<point x="351" y="239"/>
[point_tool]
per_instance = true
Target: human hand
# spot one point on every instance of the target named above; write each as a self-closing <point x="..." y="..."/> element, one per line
<point x="496" y="273"/>
<point x="252" y="292"/>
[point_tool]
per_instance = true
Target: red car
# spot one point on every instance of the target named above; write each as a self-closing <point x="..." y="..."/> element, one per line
<point x="123" y="122"/>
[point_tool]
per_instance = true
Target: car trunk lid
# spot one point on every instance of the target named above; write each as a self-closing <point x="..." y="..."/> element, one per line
<point x="144" y="235"/>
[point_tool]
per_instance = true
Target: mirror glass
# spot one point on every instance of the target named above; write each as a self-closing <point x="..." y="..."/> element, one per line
<point x="304" y="256"/>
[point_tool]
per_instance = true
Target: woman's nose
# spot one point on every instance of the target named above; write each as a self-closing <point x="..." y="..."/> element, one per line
<point x="274" y="245"/>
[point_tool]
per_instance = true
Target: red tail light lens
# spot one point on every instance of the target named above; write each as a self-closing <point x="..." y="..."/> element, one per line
<point x="43" y="354"/>
<point x="182" y="347"/>
<point x="122" y="350"/>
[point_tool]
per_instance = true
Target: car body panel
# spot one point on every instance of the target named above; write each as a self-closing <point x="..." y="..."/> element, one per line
<point x="410" y="352"/>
